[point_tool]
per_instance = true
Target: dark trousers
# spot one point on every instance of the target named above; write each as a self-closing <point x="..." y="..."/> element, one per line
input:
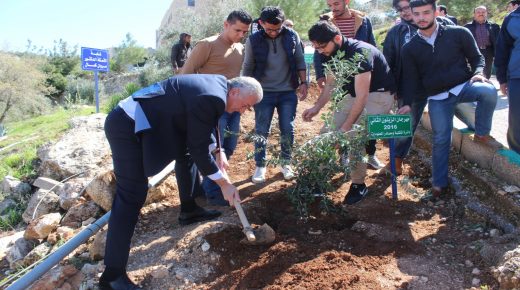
<point x="488" y="58"/>
<point x="513" y="131"/>
<point x="132" y="186"/>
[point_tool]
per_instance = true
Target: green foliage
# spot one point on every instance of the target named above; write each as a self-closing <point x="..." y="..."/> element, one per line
<point x="81" y="91"/>
<point x="463" y="9"/>
<point x="127" y="54"/>
<point x="130" y="88"/>
<point x="304" y="13"/>
<point x="19" y="158"/>
<point x="22" y="87"/>
<point x="62" y="62"/>
<point x="152" y="73"/>
<point x="12" y="217"/>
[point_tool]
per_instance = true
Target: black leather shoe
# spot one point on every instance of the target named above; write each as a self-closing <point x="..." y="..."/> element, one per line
<point x="121" y="283"/>
<point x="198" y="215"/>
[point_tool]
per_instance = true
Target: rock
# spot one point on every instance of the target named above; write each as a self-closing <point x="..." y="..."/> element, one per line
<point x="7" y="241"/>
<point x="52" y="238"/>
<point x="64" y="233"/>
<point x="179" y="274"/>
<point x="57" y="278"/>
<point x="160" y="272"/>
<point x="508" y="270"/>
<point x="166" y="188"/>
<point x="13" y="187"/>
<point x="41" y="227"/>
<point x="47" y="184"/>
<point x="475" y="271"/>
<point x="97" y="248"/>
<point x="102" y="189"/>
<point x="205" y="247"/>
<point x="91" y="270"/>
<point x="501" y="192"/>
<point x="6" y="204"/>
<point x="43" y="202"/>
<point x="494" y="233"/>
<point x="511" y="189"/>
<point x="423" y="279"/>
<point x="475" y="282"/>
<point x="70" y="193"/>
<point x="82" y="149"/>
<point x="79" y="213"/>
<point x="18" y="251"/>
<point x="36" y="254"/>
<point x="468" y="263"/>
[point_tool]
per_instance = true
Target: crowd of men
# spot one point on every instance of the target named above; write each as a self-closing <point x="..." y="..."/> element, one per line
<point x="194" y="116"/>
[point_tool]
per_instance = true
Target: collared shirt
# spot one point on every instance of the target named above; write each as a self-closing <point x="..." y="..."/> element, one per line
<point x="482" y="35"/>
<point x="456" y="89"/>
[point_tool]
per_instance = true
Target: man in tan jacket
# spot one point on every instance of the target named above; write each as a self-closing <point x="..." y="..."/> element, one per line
<point x="222" y="54"/>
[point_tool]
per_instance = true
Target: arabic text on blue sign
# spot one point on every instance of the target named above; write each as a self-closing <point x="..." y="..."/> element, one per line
<point x="94" y="59"/>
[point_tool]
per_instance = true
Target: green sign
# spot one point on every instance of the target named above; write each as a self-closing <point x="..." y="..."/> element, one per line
<point x="389" y="126"/>
<point x="309" y="57"/>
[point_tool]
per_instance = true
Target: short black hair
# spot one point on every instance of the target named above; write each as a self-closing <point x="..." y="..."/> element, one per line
<point x="514" y="2"/>
<point x="323" y="31"/>
<point x="443" y="8"/>
<point x="395" y="2"/>
<point x="272" y="15"/>
<point x="239" y="15"/>
<point x="419" y="3"/>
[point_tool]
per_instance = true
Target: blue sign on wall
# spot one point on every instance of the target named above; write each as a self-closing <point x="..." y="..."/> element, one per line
<point x="94" y="59"/>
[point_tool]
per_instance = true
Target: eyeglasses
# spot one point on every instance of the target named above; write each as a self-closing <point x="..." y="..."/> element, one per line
<point x="401" y="9"/>
<point x="320" y="46"/>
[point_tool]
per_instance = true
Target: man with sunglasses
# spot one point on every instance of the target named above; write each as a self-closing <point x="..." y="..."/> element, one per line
<point x="370" y="89"/>
<point x="274" y="57"/>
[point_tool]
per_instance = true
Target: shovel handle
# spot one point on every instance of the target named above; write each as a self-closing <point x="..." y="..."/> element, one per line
<point x="245" y="223"/>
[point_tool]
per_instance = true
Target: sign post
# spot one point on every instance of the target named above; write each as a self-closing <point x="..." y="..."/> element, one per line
<point x="94" y="59"/>
<point x="390" y="127"/>
<point x="309" y="58"/>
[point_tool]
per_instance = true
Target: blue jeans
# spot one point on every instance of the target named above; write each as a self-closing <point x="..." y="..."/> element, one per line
<point x="463" y="111"/>
<point x="513" y="131"/>
<point x="285" y="104"/>
<point x="441" y="117"/>
<point x="229" y="126"/>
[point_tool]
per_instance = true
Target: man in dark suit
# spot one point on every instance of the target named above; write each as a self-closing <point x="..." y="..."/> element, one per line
<point x="485" y="33"/>
<point x="170" y="120"/>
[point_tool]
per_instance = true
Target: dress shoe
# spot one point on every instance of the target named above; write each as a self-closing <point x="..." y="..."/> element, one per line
<point x="120" y="283"/>
<point x="197" y="215"/>
<point x="435" y="194"/>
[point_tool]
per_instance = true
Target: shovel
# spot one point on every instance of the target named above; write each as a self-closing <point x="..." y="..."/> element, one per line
<point x="255" y="235"/>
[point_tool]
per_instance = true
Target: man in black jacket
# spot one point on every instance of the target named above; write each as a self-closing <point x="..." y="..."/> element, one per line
<point x="180" y="52"/>
<point x="443" y="64"/>
<point x="486" y="34"/>
<point x="170" y="120"/>
<point x="395" y="39"/>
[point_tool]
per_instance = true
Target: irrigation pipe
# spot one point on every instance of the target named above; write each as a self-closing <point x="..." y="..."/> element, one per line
<point x="54" y="258"/>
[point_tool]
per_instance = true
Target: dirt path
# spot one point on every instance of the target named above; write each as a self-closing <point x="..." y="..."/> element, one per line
<point x="378" y="244"/>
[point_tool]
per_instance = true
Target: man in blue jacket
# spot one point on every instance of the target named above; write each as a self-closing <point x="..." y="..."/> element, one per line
<point x="274" y="57"/>
<point x="170" y="120"/>
<point x="444" y="65"/>
<point x="507" y="61"/>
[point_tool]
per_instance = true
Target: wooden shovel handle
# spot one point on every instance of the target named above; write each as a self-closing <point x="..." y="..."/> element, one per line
<point x="245" y="223"/>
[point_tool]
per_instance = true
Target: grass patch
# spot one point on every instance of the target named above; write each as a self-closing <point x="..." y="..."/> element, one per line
<point x="18" y="149"/>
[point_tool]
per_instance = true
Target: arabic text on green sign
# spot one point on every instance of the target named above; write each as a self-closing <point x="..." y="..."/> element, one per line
<point x="389" y="126"/>
<point x="308" y="58"/>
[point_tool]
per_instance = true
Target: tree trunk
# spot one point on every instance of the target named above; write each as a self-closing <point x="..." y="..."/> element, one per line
<point x="7" y="107"/>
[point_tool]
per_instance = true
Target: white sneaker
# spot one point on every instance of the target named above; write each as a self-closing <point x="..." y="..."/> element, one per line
<point x="374" y="162"/>
<point x="287" y="172"/>
<point x="259" y="176"/>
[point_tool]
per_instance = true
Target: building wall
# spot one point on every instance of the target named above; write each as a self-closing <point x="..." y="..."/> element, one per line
<point x="170" y="18"/>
